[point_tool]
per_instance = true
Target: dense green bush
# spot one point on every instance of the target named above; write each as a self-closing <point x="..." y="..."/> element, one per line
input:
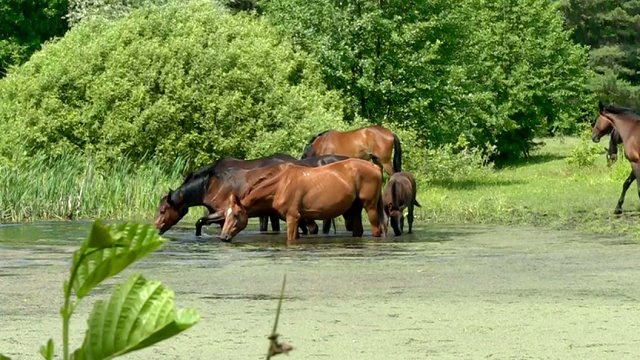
<point x="24" y="25"/>
<point x="183" y="79"/>
<point x="499" y="73"/>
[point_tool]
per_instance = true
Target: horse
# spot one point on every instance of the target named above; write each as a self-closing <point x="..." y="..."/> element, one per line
<point x="210" y="188"/>
<point x="168" y="213"/>
<point x="627" y="123"/>
<point x="369" y="143"/>
<point x="400" y="193"/>
<point x="340" y="188"/>
<point x="612" y="151"/>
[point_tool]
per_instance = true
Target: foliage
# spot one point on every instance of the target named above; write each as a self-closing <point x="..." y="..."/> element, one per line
<point x="105" y="9"/>
<point x="609" y="28"/>
<point x="183" y="80"/>
<point x="71" y="186"/>
<point x="586" y="152"/>
<point x="139" y="313"/>
<point x="499" y="73"/>
<point x="25" y="25"/>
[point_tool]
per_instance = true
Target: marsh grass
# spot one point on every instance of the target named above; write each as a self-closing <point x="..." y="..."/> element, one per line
<point x="547" y="189"/>
<point x="544" y="190"/>
<point x="72" y="187"/>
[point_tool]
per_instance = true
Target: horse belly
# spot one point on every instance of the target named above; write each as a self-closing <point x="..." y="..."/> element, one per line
<point x="325" y="206"/>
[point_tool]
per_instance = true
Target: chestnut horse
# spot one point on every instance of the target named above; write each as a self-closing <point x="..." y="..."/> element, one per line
<point x="170" y="210"/>
<point x="627" y="123"/>
<point x="369" y="143"/>
<point x="341" y="188"/>
<point x="210" y="187"/>
<point x="400" y="193"/>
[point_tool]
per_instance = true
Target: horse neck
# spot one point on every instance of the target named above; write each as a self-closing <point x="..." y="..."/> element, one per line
<point x="262" y="193"/>
<point x="193" y="192"/>
<point x="623" y="126"/>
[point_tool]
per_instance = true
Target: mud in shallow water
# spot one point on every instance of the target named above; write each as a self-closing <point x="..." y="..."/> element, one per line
<point x="445" y="292"/>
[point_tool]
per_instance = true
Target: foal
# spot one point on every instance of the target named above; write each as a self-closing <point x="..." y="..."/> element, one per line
<point x="400" y="193"/>
<point x="627" y="123"/>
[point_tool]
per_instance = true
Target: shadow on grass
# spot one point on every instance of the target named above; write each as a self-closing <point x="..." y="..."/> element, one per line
<point x="470" y="184"/>
<point x="531" y="160"/>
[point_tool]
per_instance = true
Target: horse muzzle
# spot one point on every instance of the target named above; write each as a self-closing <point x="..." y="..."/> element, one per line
<point x="225" y="238"/>
<point x="595" y="138"/>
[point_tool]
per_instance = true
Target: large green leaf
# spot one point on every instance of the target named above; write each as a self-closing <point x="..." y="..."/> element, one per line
<point x="110" y="249"/>
<point x="139" y="313"/>
<point x="2" y="357"/>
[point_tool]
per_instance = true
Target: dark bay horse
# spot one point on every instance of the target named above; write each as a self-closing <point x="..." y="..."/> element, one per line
<point x="296" y="192"/>
<point x="369" y="143"/>
<point x="210" y="187"/>
<point x="612" y="151"/>
<point x="169" y="211"/>
<point x="627" y="123"/>
<point x="400" y="193"/>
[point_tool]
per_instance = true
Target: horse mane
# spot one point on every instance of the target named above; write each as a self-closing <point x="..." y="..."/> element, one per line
<point x="622" y="110"/>
<point x="191" y="192"/>
<point x="208" y="170"/>
<point x="317" y="136"/>
<point x="242" y="189"/>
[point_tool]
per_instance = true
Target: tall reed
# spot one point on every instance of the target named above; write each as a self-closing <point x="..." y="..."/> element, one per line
<point x="71" y="186"/>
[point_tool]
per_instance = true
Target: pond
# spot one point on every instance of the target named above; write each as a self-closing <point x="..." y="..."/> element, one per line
<point x="444" y="292"/>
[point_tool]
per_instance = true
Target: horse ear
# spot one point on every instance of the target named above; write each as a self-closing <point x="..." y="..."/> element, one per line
<point x="236" y="200"/>
<point x="600" y="105"/>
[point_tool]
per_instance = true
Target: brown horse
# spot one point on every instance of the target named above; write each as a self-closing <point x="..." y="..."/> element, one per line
<point x="210" y="187"/>
<point x="370" y="143"/>
<point x="175" y="205"/>
<point x="612" y="151"/>
<point x="400" y="193"/>
<point x="627" y="123"/>
<point x="341" y="188"/>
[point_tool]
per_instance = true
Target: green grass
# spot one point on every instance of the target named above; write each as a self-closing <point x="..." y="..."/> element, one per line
<point x="544" y="190"/>
<point x="71" y="187"/>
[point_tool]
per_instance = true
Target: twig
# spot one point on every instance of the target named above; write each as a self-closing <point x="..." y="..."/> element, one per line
<point x="275" y="347"/>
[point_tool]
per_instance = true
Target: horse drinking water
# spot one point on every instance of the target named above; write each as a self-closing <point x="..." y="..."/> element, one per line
<point x="400" y="193"/>
<point x="341" y="188"/>
<point x="627" y="123"/>
<point x="369" y="143"/>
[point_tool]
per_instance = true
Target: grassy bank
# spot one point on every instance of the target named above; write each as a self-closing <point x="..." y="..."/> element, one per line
<point x="72" y="187"/>
<point x="544" y="190"/>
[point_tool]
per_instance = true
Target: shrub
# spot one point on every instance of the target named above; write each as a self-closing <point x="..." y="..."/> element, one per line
<point x="182" y="80"/>
<point x="586" y="152"/>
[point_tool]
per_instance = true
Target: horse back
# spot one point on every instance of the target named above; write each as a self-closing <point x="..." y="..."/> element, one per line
<point x="400" y="190"/>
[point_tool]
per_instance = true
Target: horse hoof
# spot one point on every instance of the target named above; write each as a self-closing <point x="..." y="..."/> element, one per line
<point x="617" y="211"/>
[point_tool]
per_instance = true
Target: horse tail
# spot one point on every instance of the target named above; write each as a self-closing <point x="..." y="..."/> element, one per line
<point x="416" y="203"/>
<point x="397" y="154"/>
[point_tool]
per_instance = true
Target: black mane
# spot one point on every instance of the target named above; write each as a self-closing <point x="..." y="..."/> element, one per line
<point x="205" y="171"/>
<point x="622" y="110"/>
<point x="317" y="136"/>
<point x="191" y="193"/>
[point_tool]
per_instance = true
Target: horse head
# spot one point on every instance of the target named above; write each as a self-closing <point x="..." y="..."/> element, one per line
<point x="170" y="211"/>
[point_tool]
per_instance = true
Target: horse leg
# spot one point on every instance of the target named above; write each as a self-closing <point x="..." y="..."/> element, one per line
<point x="625" y="187"/>
<point x="401" y="221"/>
<point x="374" y="219"/>
<point x="326" y="226"/>
<point x="410" y="217"/>
<point x="264" y="223"/>
<point x="386" y="165"/>
<point x="204" y="221"/>
<point x="292" y="229"/>
<point x="356" y="224"/>
<point x="302" y="226"/>
<point x="275" y="222"/>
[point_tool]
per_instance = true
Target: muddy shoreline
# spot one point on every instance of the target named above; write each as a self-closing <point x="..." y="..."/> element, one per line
<point x="446" y="292"/>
